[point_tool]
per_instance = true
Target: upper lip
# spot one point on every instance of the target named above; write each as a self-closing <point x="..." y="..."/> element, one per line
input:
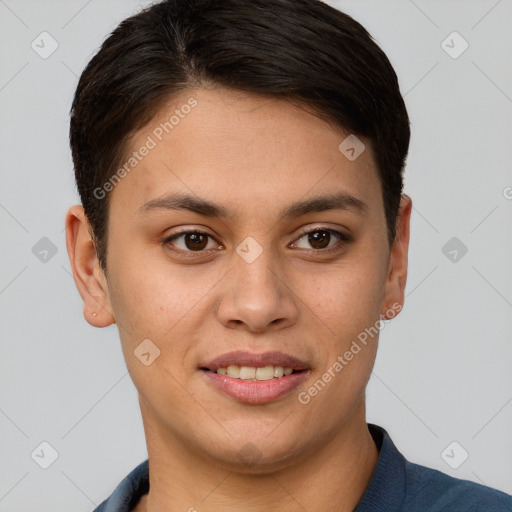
<point x="244" y="358"/>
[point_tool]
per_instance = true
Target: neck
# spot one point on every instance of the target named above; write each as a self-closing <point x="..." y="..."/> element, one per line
<point x="332" y="477"/>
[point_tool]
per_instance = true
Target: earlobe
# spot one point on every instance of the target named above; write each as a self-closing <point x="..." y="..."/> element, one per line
<point x="398" y="262"/>
<point x="89" y="277"/>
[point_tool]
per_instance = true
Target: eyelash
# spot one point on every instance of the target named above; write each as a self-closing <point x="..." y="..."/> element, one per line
<point x="343" y="238"/>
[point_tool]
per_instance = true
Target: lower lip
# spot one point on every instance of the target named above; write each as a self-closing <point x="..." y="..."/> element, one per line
<point x="256" y="391"/>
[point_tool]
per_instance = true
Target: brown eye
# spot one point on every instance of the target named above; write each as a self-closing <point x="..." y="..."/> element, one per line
<point x="190" y="241"/>
<point x="322" y="239"/>
<point x="319" y="239"/>
<point x="195" y="241"/>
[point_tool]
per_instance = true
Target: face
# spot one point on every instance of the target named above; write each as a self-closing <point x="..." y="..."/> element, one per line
<point x="278" y="260"/>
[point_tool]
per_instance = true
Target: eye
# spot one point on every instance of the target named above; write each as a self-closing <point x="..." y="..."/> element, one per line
<point x="191" y="241"/>
<point x="320" y="239"/>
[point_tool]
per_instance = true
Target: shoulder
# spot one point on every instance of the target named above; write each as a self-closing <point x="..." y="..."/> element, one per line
<point x="398" y="485"/>
<point x="432" y="490"/>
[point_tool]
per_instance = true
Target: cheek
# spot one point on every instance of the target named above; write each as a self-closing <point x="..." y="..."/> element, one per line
<point x="347" y="299"/>
<point x="155" y="306"/>
<point x="150" y="295"/>
<point x="346" y="309"/>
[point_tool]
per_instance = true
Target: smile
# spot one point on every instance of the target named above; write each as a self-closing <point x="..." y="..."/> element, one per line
<point x="254" y="373"/>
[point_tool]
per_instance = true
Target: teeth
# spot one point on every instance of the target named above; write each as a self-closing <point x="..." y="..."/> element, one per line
<point x="278" y="371"/>
<point x="252" y="373"/>
<point x="233" y="371"/>
<point x="247" y="372"/>
<point x="265" y="373"/>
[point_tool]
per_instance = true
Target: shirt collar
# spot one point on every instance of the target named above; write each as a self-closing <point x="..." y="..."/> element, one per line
<point x="386" y="489"/>
<point x="127" y="494"/>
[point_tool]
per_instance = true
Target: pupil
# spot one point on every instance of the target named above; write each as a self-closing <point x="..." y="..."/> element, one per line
<point x="195" y="241"/>
<point x="319" y="239"/>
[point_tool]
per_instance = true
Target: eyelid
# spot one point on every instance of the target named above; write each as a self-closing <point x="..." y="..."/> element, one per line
<point x="343" y="239"/>
<point x="186" y="231"/>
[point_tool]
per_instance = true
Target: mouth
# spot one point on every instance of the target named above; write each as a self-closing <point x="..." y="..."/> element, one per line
<point x="253" y="373"/>
<point x="255" y="378"/>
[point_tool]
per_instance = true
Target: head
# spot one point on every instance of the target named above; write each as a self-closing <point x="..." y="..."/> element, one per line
<point x="253" y="123"/>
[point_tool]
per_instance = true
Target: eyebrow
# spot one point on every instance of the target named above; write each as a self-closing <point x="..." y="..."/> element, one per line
<point x="181" y="201"/>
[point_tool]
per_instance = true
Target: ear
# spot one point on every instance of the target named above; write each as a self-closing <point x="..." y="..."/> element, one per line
<point x="89" y="277"/>
<point x="397" y="269"/>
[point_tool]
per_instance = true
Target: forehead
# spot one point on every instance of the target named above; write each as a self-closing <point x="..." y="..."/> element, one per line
<point x="253" y="154"/>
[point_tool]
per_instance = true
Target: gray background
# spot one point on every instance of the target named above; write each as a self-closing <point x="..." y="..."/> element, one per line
<point x="443" y="370"/>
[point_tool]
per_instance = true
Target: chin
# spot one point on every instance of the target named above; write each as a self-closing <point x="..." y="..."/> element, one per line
<point x="253" y="454"/>
<point x="253" y="459"/>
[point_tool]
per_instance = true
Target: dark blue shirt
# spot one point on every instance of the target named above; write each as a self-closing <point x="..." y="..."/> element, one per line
<point x="397" y="485"/>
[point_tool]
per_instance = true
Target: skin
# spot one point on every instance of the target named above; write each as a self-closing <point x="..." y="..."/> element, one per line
<point x="254" y="156"/>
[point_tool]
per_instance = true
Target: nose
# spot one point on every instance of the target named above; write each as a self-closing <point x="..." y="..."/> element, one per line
<point x="257" y="296"/>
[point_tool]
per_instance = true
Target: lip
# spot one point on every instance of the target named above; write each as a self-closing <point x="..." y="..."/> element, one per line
<point x="244" y="358"/>
<point x="255" y="392"/>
